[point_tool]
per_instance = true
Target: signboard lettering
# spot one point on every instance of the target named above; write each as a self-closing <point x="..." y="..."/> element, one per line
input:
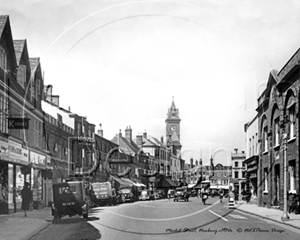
<point x="18" y="123"/>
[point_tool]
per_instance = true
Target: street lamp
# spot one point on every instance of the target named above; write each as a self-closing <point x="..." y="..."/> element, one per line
<point x="285" y="215"/>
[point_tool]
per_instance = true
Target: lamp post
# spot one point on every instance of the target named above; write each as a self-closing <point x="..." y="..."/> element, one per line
<point x="285" y="215"/>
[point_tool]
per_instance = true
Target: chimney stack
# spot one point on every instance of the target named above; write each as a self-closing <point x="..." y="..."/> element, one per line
<point x="192" y="162"/>
<point x="145" y="134"/>
<point x="236" y="150"/>
<point x="100" y="131"/>
<point x="128" y="133"/>
<point x="162" y="139"/>
<point x="139" y="140"/>
<point x="120" y="133"/>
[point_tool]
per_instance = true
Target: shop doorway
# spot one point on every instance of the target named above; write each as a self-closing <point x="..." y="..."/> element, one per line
<point x="277" y="186"/>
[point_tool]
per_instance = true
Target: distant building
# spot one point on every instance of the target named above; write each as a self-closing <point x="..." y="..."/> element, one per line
<point x="238" y="170"/>
<point x="252" y="152"/>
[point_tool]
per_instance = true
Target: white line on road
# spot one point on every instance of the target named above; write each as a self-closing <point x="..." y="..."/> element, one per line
<point x="163" y="219"/>
<point x="237" y="216"/>
<point x="218" y="216"/>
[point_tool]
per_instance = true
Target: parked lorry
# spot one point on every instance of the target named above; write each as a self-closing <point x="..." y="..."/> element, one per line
<point x="102" y="194"/>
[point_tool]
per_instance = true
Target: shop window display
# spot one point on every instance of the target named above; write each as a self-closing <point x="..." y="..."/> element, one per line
<point x="19" y="186"/>
<point x="37" y="188"/>
<point x="11" y="206"/>
<point x="3" y="188"/>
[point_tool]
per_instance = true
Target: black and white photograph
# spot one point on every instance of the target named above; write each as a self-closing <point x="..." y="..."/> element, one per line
<point x="149" y="119"/>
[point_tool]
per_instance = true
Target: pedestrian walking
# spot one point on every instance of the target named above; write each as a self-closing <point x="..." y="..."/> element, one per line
<point x="169" y="193"/>
<point x="221" y="195"/>
<point x="26" y="195"/>
<point x="236" y="195"/>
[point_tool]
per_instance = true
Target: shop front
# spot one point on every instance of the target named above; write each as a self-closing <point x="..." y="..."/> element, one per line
<point x="38" y="178"/>
<point x="18" y="172"/>
<point x="4" y="158"/>
<point x="48" y="193"/>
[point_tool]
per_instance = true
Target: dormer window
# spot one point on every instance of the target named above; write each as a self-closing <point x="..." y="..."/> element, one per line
<point x="2" y="58"/>
<point x="21" y="77"/>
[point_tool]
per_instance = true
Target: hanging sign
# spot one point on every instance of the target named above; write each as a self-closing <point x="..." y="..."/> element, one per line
<point x="18" y="123"/>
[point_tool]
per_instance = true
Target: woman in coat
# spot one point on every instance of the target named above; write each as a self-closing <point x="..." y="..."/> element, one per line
<point x="26" y="197"/>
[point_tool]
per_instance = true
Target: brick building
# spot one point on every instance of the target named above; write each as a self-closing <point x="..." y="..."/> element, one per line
<point x="23" y="155"/>
<point x="278" y="125"/>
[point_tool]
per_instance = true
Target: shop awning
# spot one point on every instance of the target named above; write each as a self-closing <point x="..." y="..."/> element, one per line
<point x="224" y="187"/>
<point x="198" y="185"/>
<point x="129" y="181"/>
<point x="166" y="183"/>
<point x="141" y="185"/>
<point x="122" y="183"/>
<point x="219" y="187"/>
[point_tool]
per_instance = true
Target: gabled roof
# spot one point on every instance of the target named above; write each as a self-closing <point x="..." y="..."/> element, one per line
<point x="33" y="63"/>
<point x="3" y="20"/>
<point x="6" y="36"/>
<point x="155" y="140"/>
<point x="129" y="145"/>
<point x="147" y="142"/>
<point x="19" y="48"/>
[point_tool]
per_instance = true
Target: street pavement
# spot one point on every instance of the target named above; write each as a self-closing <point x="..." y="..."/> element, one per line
<point x="269" y="213"/>
<point x="17" y="227"/>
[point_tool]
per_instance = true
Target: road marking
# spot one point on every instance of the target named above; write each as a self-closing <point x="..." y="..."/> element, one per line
<point x="219" y="216"/>
<point x="237" y="216"/>
<point x="163" y="219"/>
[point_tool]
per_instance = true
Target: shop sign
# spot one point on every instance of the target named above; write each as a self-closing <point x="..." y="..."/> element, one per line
<point x="4" y="150"/>
<point x="16" y="152"/>
<point x="18" y="123"/>
<point x="37" y="158"/>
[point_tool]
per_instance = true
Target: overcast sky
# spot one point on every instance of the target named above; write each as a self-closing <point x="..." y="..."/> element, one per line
<point x="120" y="62"/>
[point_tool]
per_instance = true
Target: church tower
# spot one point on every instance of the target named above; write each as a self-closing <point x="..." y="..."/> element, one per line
<point x="173" y="128"/>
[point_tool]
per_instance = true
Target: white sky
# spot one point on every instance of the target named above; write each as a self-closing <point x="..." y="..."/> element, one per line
<point x="119" y="62"/>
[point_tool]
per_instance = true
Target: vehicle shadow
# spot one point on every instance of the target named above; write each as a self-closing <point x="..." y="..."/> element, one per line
<point x="68" y="220"/>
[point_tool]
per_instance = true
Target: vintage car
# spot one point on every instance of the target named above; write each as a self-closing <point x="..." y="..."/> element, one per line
<point x="145" y="195"/>
<point x="127" y="194"/>
<point x="69" y="198"/>
<point x="181" y="193"/>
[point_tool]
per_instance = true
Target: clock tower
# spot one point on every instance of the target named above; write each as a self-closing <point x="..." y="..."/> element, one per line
<point x="173" y="128"/>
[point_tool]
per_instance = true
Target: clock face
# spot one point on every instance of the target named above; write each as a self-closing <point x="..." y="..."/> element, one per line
<point x="173" y="128"/>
